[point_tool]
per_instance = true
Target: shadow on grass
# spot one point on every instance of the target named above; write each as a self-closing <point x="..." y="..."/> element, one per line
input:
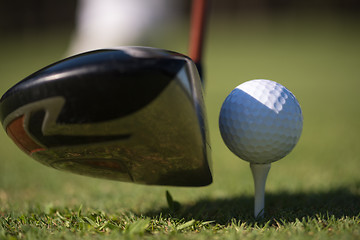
<point x="343" y="201"/>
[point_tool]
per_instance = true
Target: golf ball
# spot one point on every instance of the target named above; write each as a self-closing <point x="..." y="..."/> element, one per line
<point x="260" y="121"/>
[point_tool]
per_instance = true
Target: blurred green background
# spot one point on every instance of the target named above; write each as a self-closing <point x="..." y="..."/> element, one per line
<point x="311" y="47"/>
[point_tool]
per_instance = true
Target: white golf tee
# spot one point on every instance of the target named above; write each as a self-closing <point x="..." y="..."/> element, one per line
<point x="259" y="172"/>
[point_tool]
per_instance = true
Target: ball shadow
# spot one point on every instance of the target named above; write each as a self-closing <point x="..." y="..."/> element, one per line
<point x="282" y="206"/>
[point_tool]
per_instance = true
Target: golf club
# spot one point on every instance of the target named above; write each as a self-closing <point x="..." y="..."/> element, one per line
<point x="133" y="114"/>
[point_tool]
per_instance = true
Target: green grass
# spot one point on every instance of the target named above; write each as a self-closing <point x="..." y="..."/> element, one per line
<point x="314" y="192"/>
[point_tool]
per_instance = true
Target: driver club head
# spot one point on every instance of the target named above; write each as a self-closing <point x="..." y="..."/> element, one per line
<point x="133" y="114"/>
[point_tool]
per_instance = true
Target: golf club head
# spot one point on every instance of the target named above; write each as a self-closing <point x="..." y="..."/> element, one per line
<point x="132" y="114"/>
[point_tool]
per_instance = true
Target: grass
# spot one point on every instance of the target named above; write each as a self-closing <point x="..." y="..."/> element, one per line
<point x="314" y="192"/>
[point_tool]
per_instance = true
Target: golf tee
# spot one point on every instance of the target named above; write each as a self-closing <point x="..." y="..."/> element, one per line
<point x="259" y="172"/>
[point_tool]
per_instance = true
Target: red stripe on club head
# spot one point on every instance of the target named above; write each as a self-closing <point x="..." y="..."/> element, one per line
<point x="21" y="138"/>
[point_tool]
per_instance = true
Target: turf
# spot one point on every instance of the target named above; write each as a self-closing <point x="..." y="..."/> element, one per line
<point x="314" y="192"/>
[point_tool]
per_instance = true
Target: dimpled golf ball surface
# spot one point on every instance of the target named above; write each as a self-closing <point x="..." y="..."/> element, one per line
<point x="260" y="121"/>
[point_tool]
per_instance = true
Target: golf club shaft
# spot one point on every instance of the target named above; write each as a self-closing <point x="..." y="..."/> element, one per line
<point x="197" y="31"/>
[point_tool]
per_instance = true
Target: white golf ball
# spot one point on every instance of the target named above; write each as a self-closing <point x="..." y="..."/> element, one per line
<point x="260" y="121"/>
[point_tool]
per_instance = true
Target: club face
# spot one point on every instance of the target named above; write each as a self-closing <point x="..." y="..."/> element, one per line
<point x="131" y="114"/>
